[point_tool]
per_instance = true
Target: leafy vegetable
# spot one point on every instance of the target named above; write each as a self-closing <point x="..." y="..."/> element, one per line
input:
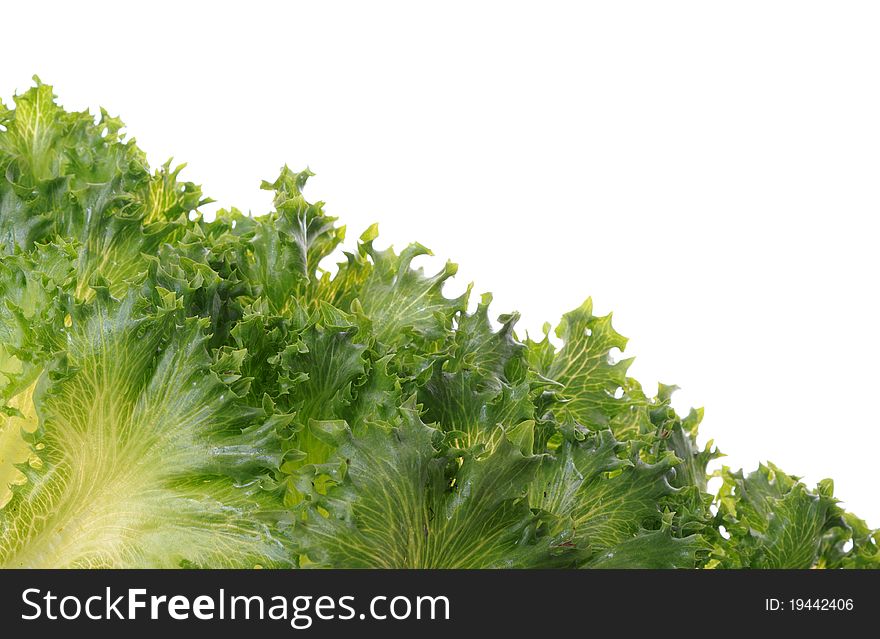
<point x="182" y="392"/>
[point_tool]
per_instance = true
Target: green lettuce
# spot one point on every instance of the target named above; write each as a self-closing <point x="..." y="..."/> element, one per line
<point x="179" y="392"/>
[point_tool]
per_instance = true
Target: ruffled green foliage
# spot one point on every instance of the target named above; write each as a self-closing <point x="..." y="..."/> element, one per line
<point x="183" y="392"/>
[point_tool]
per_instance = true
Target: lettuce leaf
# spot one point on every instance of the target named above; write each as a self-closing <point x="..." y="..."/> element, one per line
<point x="143" y="456"/>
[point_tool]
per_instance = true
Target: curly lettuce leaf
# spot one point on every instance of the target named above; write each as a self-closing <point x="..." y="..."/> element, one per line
<point x="611" y="499"/>
<point x="773" y="520"/>
<point x="391" y="499"/>
<point x="403" y="304"/>
<point x="479" y="382"/>
<point x="35" y="300"/>
<point x="68" y="176"/>
<point x="592" y="381"/>
<point x="143" y="456"/>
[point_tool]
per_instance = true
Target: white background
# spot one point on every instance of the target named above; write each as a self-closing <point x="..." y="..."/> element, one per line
<point x="709" y="171"/>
